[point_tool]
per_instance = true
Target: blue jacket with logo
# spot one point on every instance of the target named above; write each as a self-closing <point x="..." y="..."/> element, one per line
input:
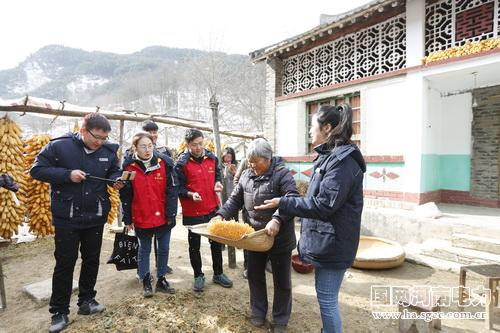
<point x="77" y="205"/>
<point x="332" y="208"/>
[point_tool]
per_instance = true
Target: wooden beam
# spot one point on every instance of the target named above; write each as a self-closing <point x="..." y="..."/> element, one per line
<point x="122" y="125"/>
<point x="115" y="116"/>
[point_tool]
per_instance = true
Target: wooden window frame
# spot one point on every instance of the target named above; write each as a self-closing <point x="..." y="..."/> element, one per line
<point x="313" y="106"/>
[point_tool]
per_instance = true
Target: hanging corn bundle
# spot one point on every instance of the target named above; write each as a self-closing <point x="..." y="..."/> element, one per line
<point x="12" y="208"/>
<point x="182" y="147"/>
<point x="76" y="127"/>
<point x="229" y="229"/>
<point x="210" y="145"/>
<point x="38" y="200"/>
<point x="114" y="197"/>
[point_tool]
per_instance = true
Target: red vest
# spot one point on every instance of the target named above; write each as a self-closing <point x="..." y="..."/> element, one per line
<point x="200" y="177"/>
<point x="150" y="196"/>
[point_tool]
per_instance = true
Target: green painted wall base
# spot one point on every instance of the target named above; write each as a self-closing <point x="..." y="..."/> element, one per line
<point x="447" y="172"/>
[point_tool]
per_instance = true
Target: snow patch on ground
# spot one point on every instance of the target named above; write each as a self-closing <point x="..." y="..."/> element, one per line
<point x="35" y="78"/>
<point x="85" y="82"/>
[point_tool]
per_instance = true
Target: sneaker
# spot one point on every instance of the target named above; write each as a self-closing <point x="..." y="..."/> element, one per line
<point x="223" y="280"/>
<point x="169" y="270"/>
<point x="90" y="307"/>
<point x="244" y="274"/>
<point x="162" y="286"/>
<point x="257" y="321"/>
<point x="279" y="328"/>
<point x="199" y="283"/>
<point x="58" y="323"/>
<point x="146" y="286"/>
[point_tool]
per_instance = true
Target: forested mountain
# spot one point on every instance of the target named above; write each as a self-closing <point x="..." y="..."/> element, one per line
<point x="177" y="82"/>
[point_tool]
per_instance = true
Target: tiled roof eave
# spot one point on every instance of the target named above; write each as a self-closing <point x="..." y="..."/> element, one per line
<point x="320" y="30"/>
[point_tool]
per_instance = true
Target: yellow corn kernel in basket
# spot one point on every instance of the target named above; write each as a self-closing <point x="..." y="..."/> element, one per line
<point x="229" y="229"/>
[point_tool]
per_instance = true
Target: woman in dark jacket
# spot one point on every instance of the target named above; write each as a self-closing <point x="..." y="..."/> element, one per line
<point x="149" y="206"/>
<point x="229" y="166"/>
<point x="266" y="179"/>
<point x="331" y="210"/>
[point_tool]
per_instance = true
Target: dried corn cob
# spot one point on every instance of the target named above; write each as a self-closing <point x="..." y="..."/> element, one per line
<point x="38" y="202"/>
<point x="114" y="197"/>
<point x="11" y="163"/>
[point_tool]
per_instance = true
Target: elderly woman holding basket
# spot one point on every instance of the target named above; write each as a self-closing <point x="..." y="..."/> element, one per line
<point x="266" y="178"/>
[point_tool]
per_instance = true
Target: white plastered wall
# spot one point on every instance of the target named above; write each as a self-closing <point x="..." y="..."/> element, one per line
<point x="391" y="122"/>
<point x="455" y="136"/>
<point x="291" y="128"/>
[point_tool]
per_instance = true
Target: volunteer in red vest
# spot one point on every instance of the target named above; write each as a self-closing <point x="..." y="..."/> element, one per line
<point x="149" y="205"/>
<point x="199" y="179"/>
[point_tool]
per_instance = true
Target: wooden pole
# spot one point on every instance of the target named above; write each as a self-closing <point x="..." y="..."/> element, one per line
<point x="166" y="136"/>
<point x="214" y="105"/>
<point x="115" y="116"/>
<point x="3" y="296"/>
<point x="122" y="126"/>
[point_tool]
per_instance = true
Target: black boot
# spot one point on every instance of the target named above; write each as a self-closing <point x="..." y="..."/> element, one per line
<point x="147" y="287"/>
<point x="59" y="322"/>
<point x="163" y="286"/>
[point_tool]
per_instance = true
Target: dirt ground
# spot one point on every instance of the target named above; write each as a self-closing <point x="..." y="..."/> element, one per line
<point x="215" y="310"/>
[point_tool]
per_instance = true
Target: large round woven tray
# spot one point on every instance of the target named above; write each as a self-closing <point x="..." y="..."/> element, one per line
<point x="378" y="253"/>
<point x="257" y="241"/>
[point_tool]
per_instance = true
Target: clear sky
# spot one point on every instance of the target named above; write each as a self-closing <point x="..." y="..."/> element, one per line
<point x="126" y="26"/>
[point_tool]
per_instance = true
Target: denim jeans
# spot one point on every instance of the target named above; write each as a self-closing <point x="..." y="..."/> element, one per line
<point x="328" y="283"/>
<point x="67" y="242"/>
<point x="145" y="237"/>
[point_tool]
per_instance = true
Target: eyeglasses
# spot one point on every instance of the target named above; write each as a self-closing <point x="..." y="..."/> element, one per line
<point x="144" y="147"/>
<point x="98" y="137"/>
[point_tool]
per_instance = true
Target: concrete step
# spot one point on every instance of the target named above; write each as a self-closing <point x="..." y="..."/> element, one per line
<point x="404" y="226"/>
<point x="41" y="291"/>
<point x="486" y="244"/>
<point x="462" y="256"/>
<point x="485" y="229"/>
<point x="436" y="263"/>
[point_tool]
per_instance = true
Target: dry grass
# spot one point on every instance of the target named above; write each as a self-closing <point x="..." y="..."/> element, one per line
<point x="182" y="312"/>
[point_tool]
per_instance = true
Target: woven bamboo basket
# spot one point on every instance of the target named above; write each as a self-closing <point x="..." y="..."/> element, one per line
<point x="257" y="241"/>
<point x="378" y="253"/>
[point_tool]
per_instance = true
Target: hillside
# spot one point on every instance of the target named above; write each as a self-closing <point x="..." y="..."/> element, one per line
<point x="156" y="79"/>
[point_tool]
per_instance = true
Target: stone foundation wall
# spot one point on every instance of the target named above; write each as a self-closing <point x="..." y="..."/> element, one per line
<point x="486" y="142"/>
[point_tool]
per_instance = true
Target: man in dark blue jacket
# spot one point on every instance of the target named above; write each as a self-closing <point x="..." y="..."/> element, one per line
<point x="80" y="206"/>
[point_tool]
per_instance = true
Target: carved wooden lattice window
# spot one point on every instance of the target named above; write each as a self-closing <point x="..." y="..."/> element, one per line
<point x="451" y="23"/>
<point x="375" y="50"/>
<point x="353" y="99"/>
